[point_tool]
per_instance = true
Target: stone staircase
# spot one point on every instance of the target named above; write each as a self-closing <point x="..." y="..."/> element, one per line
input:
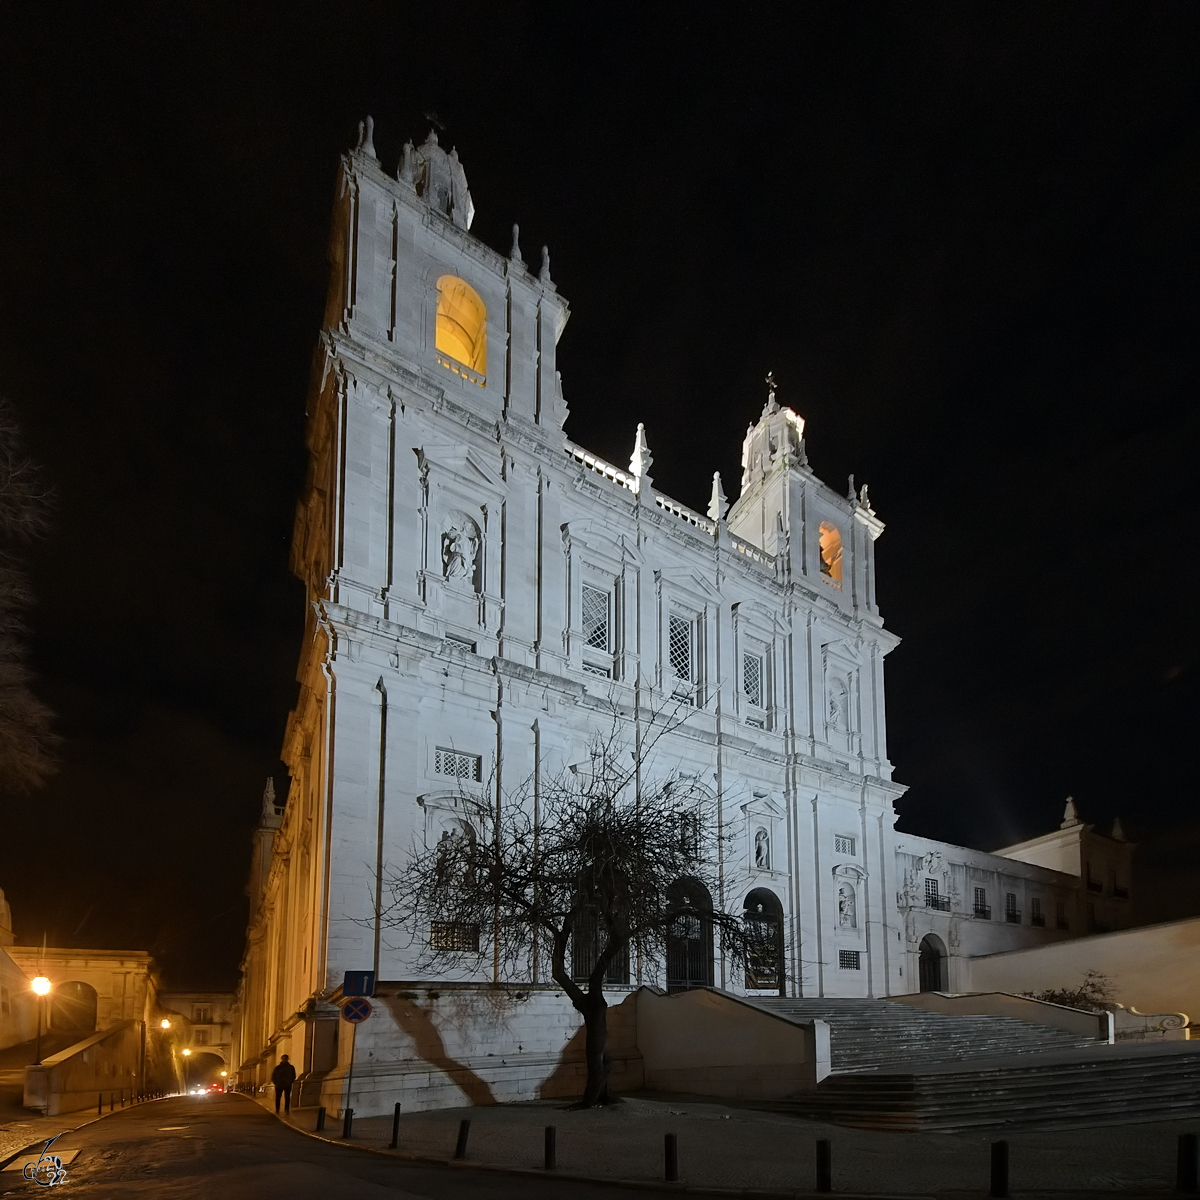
<point x="878" y="1035"/>
<point x="896" y="1067"/>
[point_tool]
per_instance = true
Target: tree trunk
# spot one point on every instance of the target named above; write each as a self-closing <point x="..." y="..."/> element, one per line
<point x="595" y="1024"/>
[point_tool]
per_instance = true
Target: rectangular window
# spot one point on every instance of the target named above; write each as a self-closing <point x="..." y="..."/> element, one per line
<point x="202" y="1014"/>
<point x="848" y="960"/>
<point x="200" y="1037"/>
<point x="1012" y="914"/>
<point x="689" y="834"/>
<point x="585" y="950"/>
<point x="457" y="765"/>
<point x="981" y="904"/>
<point x="752" y="679"/>
<point x="454" y="935"/>
<point x="933" y="899"/>
<point x="1036" y="915"/>
<point x="843" y="844"/>
<point x="596" y="617"/>
<point x="1060" y="916"/>
<point x="681" y="654"/>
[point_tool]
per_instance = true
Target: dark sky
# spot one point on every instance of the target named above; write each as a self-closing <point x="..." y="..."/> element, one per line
<point x="964" y="237"/>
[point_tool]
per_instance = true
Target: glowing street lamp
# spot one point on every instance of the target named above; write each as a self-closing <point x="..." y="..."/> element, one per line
<point x="41" y="988"/>
<point x="187" y="1075"/>
<point x="164" y="1024"/>
<point x="224" y="1081"/>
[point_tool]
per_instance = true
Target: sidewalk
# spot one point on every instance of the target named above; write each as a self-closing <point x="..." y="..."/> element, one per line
<point x="726" y="1147"/>
<point x="21" y="1128"/>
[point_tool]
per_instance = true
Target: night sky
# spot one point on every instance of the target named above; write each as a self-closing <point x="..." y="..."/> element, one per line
<point x="964" y="237"/>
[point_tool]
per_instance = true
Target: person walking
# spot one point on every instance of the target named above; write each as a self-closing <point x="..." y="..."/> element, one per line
<point x="283" y="1077"/>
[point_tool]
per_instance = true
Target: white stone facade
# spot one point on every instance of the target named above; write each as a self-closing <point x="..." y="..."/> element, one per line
<point x="482" y="591"/>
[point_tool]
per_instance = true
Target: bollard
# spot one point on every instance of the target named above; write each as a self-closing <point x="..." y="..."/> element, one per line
<point x="671" y="1158"/>
<point x="111" y="1104"/>
<point x="320" y="1120"/>
<point x="1187" y="1164"/>
<point x="551" y="1148"/>
<point x="824" y="1165"/>
<point x="348" y="1123"/>
<point x="395" y="1142"/>
<point x="460" y="1148"/>
<point x="100" y="1105"/>
<point x="999" y="1169"/>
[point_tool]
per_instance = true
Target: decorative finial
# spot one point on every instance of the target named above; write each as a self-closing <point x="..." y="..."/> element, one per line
<point x="718" y="506"/>
<point x="431" y="138"/>
<point x="1118" y="831"/>
<point x="772" y="405"/>
<point x="408" y="163"/>
<point x="366" y="137"/>
<point x="850" y="492"/>
<point x="642" y="459"/>
<point x="864" y="501"/>
<point x="544" y="273"/>
<point x="515" y="252"/>
<point x="1070" y="815"/>
<point x="268" y="800"/>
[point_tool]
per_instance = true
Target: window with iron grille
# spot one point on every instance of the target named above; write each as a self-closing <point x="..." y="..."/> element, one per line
<point x="681" y="647"/>
<point x="931" y="891"/>
<point x="453" y="935"/>
<point x="752" y="679"/>
<point x="848" y="960"/>
<point x="596" y="620"/>
<point x="1012" y="914"/>
<point x="457" y="765"/>
<point x="1036" y="915"/>
<point x="585" y="950"/>
<point x="981" y="904"/>
<point x="843" y="844"/>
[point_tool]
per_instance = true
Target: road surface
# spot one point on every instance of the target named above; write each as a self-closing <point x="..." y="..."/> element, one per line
<point x="228" y="1148"/>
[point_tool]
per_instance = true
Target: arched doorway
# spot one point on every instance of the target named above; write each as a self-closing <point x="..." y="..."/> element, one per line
<point x="202" y="1068"/>
<point x="763" y="915"/>
<point x="690" y="938"/>
<point x="932" y="964"/>
<point x="73" y="1008"/>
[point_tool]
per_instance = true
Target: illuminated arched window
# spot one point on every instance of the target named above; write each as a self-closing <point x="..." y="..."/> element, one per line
<point x="831" y="553"/>
<point x="461" y="324"/>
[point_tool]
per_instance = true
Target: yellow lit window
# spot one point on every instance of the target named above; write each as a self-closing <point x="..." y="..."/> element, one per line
<point x="461" y="324"/>
<point x="831" y="553"/>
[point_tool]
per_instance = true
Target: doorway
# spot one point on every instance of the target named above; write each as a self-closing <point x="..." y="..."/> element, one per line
<point x="932" y="964"/>
<point x="690" y="938"/>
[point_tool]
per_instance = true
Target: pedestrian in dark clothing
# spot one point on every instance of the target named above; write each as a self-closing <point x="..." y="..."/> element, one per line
<point x="283" y="1077"/>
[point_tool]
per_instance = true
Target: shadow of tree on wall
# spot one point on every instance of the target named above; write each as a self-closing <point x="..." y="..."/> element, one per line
<point x="427" y="1042"/>
<point x="569" y="1077"/>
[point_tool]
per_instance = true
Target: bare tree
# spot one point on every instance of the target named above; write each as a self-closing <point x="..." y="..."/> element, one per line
<point x="26" y="738"/>
<point x="590" y="870"/>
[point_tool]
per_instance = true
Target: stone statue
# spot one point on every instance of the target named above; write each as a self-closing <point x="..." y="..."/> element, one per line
<point x="847" y="917"/>
<point x="762" y="850"/>
<point x="460" y="548"/>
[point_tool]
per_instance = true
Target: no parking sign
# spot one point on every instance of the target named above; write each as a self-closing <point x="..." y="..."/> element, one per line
<point x="356" y="1010"/>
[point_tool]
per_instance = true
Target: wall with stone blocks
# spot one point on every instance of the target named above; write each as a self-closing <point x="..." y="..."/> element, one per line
<point x="446" y="1047"/>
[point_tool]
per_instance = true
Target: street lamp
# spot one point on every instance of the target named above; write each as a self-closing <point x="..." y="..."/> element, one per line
<point x="164" y="1024"/>
<point x="41" y="989"/>
<point x="224" y="1081"/>
<point x="187" y="1077"/>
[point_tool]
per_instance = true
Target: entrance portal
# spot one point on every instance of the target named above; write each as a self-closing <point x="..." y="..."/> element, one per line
<point x="763" y="915"/>
<point x="932" y="961"/>
<point x="690" y="940"/>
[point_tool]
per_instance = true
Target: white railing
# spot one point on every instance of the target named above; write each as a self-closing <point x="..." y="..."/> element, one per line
<point x="594" y="463"/>
<point x="687" y="514"/>
<point x="751" y="551"/>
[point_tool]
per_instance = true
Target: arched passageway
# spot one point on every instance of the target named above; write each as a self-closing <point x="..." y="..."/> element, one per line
<point x="73" y="1008"/>
<point x="763" y="915"/>
<point x="690" y="940"/>
<point x="932" y="964"/>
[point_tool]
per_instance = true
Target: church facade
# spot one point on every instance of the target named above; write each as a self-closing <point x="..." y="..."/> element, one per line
<point x="483" y="593"/>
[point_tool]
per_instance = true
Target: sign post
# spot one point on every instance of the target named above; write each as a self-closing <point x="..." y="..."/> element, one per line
<point x="355" y="1011"/>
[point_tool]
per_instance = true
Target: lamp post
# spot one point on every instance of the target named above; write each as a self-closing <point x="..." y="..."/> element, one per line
<point x="41" y="988"/>
<point x="224" y="1081"/>
<point x="187" y="1076"/>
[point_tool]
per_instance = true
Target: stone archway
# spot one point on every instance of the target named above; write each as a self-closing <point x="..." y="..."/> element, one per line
<point x="932" y="965"/>
<point x="73" y="1008"/>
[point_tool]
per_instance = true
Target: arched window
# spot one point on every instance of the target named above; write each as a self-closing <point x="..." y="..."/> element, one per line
<point x="831" y="553"/>
<point x="461" y="332"/>
<point x="73" y="1008"/>
<point x="690" y="937"/>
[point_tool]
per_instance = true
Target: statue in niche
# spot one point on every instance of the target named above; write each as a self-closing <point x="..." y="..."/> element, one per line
<point x="837" y="706"/>
<point x="847" y="916"/>
<point x="762" y="850"/>
<point x="460" y="549"/>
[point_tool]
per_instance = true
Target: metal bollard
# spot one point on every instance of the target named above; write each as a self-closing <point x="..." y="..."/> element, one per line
<point x="100" y="1105"/>
<point x="1187" y="1164"/>
<point x="551" y="1148"/>
<point x="111" y="1102"/>
<point x="347" y="1122"/>
<point x="999" y="1185"/>
<point x="395" y="1142"/>
<point x="671" y="1158"/>
<point x="460" y="1148"/>
<point x="824" y="1165"/>
<point x="320" y="1120"/>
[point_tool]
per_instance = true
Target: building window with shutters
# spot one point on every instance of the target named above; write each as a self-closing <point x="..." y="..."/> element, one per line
<point x="981" y="905"/>
<point x="681" y="655"/>
<point x="843" y="844"/>
<point x="596" y="607"/>
<point x="1012" y="914"/>
<point x="457" y="765"/>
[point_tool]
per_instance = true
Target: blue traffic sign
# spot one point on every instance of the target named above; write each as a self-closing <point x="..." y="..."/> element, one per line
<point x="358" y="983"/>
<point x="356" y="1010"/>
